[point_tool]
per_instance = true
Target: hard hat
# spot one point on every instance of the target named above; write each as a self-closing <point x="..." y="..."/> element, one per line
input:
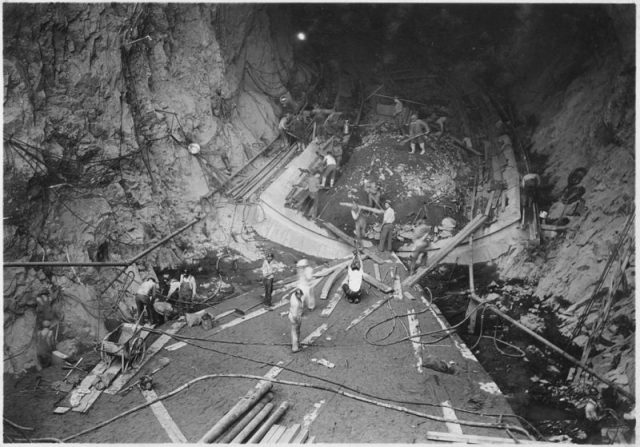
<point x="302" y="263"/>
<point x="414" y="117"/>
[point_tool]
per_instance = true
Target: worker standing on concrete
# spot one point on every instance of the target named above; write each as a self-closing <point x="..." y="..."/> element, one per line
<point x="329" y="170"/>
<point x="386" y="232"/>
<point x="417" y="131"/>
<point x="360" y="222"/>
<point x="337" y="151"/>
<point x="305" y="275"/>
<point x="296" y="309"/>
<point x="312" y="185"/>
<point x="144" y="299"/>
<point x="267" y="276"/>
<point x="421" y="240"/>
<point x="353" y="287"/>
<point x="398" y="115"/>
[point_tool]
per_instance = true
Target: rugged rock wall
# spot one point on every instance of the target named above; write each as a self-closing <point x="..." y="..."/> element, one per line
<point x="100" y="104"/>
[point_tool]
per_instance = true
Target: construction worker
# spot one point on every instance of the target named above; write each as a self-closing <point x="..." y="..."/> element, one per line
<point x="329" y="172"/>
<point x="417" y="131"/>
<point x="305" y="275"/>
<point x="398" y="115"/>
<point x="353" y="287"/>
<point x="267" y="275"/>
<point x="283" y="127"/>
<point x="360" y="222"/>
<point x="386" y="233"/>
<point x="187" y="291"/>
<point x="312" y="185"/>
<point x="296" y="309"/>
<point x="144" y="300"/>
<point x="373" y="193"/>
<point x="421" y="239"/>
<point x="337" y="151"/>
<point x="530" y="184"/>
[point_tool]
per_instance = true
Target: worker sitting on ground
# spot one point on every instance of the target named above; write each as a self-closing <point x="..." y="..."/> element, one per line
<point x="144" y="300"/>
<point x="164" y="309"/>
<point x="417" y="131"/>
<point x="421" y="239"/>
<point x="296" y="309"/>
<point x="329" y="172"/>
<point x="352" y="288"/>
<point x="305" y="275"/>
<point x="360" y="222"/>
<point x="373" y="193"/>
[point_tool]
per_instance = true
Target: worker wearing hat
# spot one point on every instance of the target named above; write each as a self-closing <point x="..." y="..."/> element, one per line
<point x="417" y="131"/>
<point x="386" y="233"/>
<point x="305" y="275"/>
<point x="267" y="277"/>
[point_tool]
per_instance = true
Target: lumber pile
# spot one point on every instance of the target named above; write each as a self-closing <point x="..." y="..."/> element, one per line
<point x="253" y="420"/>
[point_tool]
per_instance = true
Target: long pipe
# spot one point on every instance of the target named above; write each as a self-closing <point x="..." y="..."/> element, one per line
<point x="554" y="347"/>
<point x="101" y="264"/>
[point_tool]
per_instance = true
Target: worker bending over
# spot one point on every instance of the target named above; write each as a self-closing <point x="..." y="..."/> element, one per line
<point x="417" y="130"/>
<point x="353" y="287"/>
<point x="144" y="300"/>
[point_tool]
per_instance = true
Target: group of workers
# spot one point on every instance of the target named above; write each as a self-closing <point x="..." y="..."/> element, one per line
<point x="303" y="295"/>
<point x="154" y="307"/>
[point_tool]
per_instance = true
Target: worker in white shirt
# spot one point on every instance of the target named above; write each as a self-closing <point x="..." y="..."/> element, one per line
<point x="329" y="170"/>
<point x="386" y="233"/>
<point x="305" y="275"/>
<point x="144" y="300"/>
<point x="353" y="287"/>
<point x="296" y="308"/>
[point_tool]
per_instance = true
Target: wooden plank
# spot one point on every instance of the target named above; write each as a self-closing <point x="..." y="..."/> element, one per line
<point x="351" y="241"/>
<point x="333" y="302"/>
<point x="472" y="439"/>
<point x="414" y="329"/>
<point x="376" y="271"/>
<point x="448" y="413"/>
<point x="301" y="437"/>
<point x="367" y="312"/>
<point x="269" y="434"/>
<point x="377" y="284"/>
<point x="279" y="430"/>
<point x="78" y="394"/>
<point x="441" y="254"/>
<point x="163" y="416"/>
<point x="122" y="380"/>
<point x="289" y="434"/>
<point x="309" y="339"/>
<point x="366" y="208"/>
<point x="326" y="288"/>
<point x="310" y="440"/>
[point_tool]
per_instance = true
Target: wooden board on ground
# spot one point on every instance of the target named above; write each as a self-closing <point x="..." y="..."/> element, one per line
<point x="326" y="288"/>
<point x="302" y="436"/>
<point x="273" y="434"/>
<point x="377" y="284"/>
<point x="470" y="439"/>
<point x="368" y="311"/>
<point x="289" y="434"/>
<point x="337" y="296"/>
<point x="163" y="416"/>
<point x="351" y="241"/>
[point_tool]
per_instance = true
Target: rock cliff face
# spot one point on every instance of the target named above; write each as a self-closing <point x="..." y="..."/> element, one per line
<point x="100" y="104"/>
